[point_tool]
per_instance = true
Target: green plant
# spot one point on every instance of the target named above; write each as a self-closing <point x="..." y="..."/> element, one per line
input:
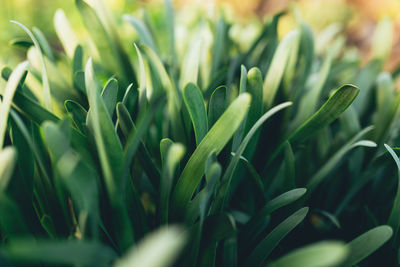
<point x="97" y="156"/>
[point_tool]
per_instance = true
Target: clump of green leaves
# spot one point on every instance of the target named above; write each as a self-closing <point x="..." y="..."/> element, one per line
<point x="196" y="151"/>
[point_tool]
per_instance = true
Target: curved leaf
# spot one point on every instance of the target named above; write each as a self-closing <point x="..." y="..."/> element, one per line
<point x="194" y="102"/>
<point x="326" y="253"/>
<point x="265" y="247"/>
<point x="365" y="244"/>
<point x="215" y="140"/>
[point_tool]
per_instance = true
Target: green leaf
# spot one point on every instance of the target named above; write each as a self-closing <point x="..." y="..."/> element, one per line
<point x="216" y="106"/>
<point x="237" y="138"/>
<point x="110" y="154"/>
<point x="194" y="102"/>
<point x="215" y="140"/>
<point x="365" y="80"/>
<point x="8" y="95"/>
<point x="145" y="159"/>
<point x="130" y="99"/>
<point x="21" y="42"/>
<point x="77" y="60"/>
<point x="267" y="245"/>
<point x="164" y="147"/>
<point x="394" y="218"/>
<point x="191" y="63"/>
<point x="289" y="167"/>
<point x="65" y="33"/>
<point x="158" y="249"/>
<point x="12" y="222"/>
<point x="277" y="68"/>
<point x="33" y="146"/>
<point x="325" y="253"/>
<point x="109" y="95"/>
<point x="322" y="173"/>
<point x="162" y="82"/>
<point x="367" y="243"/>
<point x="226" y="179"/>
<point x="200" y="205"/>
<point x="44" y="45"/>
<point x="79" y="114"/>
<point x="106" y="40"/>
<point x="255" y="88"/>
<point x="170" y="23"/>
<point x="309" y="102"/>
<point x="388" y="105"/>
<point x="68" y="252"/>
<point x="255" y="224"/>
<point x="8" y="158"/>
<point x="219" y="46"/>
<point x="330" y="111"/>
<point x="142" y="79"/>
<point x="107" y="142"/>
<point x="81" y="182"/>
<point x="174" y="155"/>
<point x="144" y="34"/>
<point x="45" y="79"/>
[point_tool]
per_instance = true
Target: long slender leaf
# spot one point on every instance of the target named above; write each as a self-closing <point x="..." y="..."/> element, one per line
<point x="194" y="102"/>
<point x="276" y="70"/>
<point x="265" y="247"/>
<point x="226" y="179"/>
<point x="165" y="242"/>
<point x="215" y="140"/>
<point x="8" y="95"/>
<point x="326" y="253"/>
<point x="394" y="220"/>
<point x="365" y="244"/>
<point x="59" y="252"/>
<point x="8" y="157"/>
<point x="45" y="79"/>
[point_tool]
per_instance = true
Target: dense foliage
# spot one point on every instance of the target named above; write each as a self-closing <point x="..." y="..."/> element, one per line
<point x="213" y="149"/>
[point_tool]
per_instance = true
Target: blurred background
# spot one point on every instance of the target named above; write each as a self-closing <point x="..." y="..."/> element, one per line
<point x="357" y="18"/>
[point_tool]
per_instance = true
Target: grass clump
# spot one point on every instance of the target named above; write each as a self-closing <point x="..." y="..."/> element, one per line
<point x="197" y="151"/>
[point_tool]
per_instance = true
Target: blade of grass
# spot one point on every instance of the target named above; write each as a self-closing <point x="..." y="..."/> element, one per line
<point x="226" y="179"/>
<point x="277" y="68"/>
<point x="78" y="113"/>
<point x="255" y="88"/>
<point x="8" y="158"/>
<point x="267" y="245"/>
<point x="215" y="140"/>
<point x="44" y="45"/>
<point x="194" y="102"/>
<point x="142" y="79"/>
<point x="255" y="224"/>
<point x="325" y="253"/>
<point x="144" y="34"/>
<point x="59" y="252"/>
<point x="109" y="95"/>
<point x="394" y="217"/>
<point x="216" y="105"/>
<point x="65" y="33"/>
<point x="190" y="64"/>
<point x="322" y="173"/>
<point x="367" y="243"/>
<point x="174" y="155"/>
<point x="330" y="111"/>
<point x="165" y="242"/>
<point x="110" y="155"/>
<point x="8" y="95"/>
<point x="45" y="79"/>
<point x="238" y="136"/>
